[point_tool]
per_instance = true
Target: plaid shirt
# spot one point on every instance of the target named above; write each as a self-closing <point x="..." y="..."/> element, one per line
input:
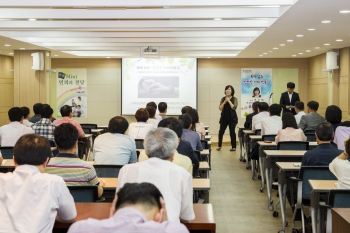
<point x="45" y="128"/>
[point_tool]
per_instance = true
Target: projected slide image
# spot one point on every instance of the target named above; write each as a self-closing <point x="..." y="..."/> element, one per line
<point x="158" y="87"/>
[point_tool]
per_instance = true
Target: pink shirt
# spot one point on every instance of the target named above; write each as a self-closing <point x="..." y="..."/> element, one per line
<point x="71" y="121"/>
<point x="290" y="134"/>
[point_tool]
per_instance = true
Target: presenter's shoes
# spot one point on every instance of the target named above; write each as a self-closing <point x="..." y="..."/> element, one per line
<point x="233" y="149"/>
<point x="218" y="149"/>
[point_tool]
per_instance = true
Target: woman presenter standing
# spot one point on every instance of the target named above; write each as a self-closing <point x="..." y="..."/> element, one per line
<point x="228" y="105"/>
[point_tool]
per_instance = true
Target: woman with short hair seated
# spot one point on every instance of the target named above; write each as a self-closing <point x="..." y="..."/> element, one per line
<point x="290" y="130"/>
<point x="139" y="129"/>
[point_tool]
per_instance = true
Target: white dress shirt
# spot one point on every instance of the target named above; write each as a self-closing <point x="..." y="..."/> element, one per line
<point x="298" y="116"/>
<point x="271" y="125"/>
<point x="9" y="134"/>
<point x="158" y="117"/>
<point x="139" y="130"/>
<point x="173" y="181"/>
<point x="290" y="97"/>
<point x="341" y="134"/>
<point x="341" y="169"/>
<point x="27" y="123"/>
<point x="256" y="121"/>
<point x="30" y="200"/>
<point x="153" y="122"/>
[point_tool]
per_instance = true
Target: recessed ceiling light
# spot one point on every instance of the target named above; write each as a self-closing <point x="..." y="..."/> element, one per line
<point x="339" y="40"/>
<point x="294" y="55"/>
<point x="55" y="55"/>
<point x="22" y="48"/>
<point x="327" y="44"/>
<point x="301" y="53"/>
<point x="282" y="44"/>
<point x="261" y="55"/>
<point x="208" y="57"/>
<point x="275" y="48"/>
<point x="317" y="47"/>
<point x="290" y="40"/>
<point x="265" y="53"/>
<point x="326" y="21"/>
<point x="270" y="51"/>
<point x="31" y="19"/>
<point x="308" y="51"/>
<point x="299" y="35"/>
<point x="11" y="53"/>
<point x="7" y="45"/>
<point x="217" y="19"/>
<point x="344" y="12"/>
<point x="108" y="57"/>
<point x="311" y="29"/>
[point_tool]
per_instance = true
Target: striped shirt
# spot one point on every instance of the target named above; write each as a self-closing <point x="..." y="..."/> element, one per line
<point x="73" y="170"/>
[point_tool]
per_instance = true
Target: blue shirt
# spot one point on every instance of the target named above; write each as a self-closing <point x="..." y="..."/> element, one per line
<point x="193" y="138"/>
<point x="114" y="149"/>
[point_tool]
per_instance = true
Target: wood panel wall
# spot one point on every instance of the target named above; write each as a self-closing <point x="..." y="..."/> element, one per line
<point x="6" y="87"/>
<point x="344" y="84"/>
<point x="29" y="85"/>
<point x="85" y="63"/>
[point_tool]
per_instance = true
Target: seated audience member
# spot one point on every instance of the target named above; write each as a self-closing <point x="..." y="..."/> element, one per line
<point x="9" y="134"/>
<point x="341" y="134"/>
<point x="196" y="125"/>
<point x="66" y="113"/>
<point x="44" y="126"/>
<point x="115" y="147"/>
<point x="140" y="129"/>
<point x="154" y="105"/>
<point x="324" y="153"/>
<point x="340" y="167"/>
<point x="36" y="110"/>
<point x="26" y="116"/>
<point x="173" y="181"/>
<point x="299" y="109"/>
<point x="163" y="109"/>
<point x="249" y="118"/>
<point x="310" y="120"/>
<point x="333" y="115"/>
<point x="290" y="130"/>
<point x="66" y="164"/>
<point x="152" y="117"/>
<point x="136" y="208"/>
<point x="263" y="113"/>
<point x="184" y="155"/>
<point x="272" y="124"/>
<point x="187" y="134"/>
<point x="30" y="199"/>
<point x="185" y="109"/>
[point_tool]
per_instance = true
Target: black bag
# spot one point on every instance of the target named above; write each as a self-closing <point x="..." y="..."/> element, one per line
<point x="254" y="154"/>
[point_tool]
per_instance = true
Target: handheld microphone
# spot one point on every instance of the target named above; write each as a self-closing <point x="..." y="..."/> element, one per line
<point x="271" y="95"/>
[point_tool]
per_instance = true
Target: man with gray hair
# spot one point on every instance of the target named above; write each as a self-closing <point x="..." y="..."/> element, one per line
<point x="173" y="181"/>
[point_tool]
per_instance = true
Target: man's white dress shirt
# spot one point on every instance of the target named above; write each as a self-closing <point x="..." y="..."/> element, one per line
<point x="9" y="134"/>
<point x="256" y="121"/>
<point x="298" y="116"/>
<point x="271" y="125"/>
<point x="139" y="130"/>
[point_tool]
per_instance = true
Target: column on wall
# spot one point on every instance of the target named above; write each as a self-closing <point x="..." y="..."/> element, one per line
<point x="29" y="85"/>
<point x="6" y="87"/>
<point x="343" y="86"/>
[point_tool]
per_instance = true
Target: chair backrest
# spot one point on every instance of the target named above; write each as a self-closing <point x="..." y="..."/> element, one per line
<point x="293" y="145"/>
<point x="269" y="137"/>
<point x="108" y="170"/>
<point x="334" y="145"/>
<point x="309" y="131"/>
<point x="257" y="132"/>
<point x="86" y="130"/>
<point x="7" y="152"/>
<point x="339" y="198"/>
<point x="139" y="144"/>
<point x="138" y="155"/>
<point x="91" y="126"/>
<point x="84" y="193"/>
<point x="198" y="153"/>
<point x="310" y="137"/>
<point x="205" y="144"/>
<point x="314" y="173"/>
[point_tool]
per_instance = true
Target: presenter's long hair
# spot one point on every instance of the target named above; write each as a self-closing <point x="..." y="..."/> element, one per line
<point x="232" y="90"/>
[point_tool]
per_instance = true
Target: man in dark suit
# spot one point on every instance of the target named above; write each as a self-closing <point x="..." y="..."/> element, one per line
<point x="324" y="153"/>
<point x="249" y="118"/>
<point x="289" y="98"/>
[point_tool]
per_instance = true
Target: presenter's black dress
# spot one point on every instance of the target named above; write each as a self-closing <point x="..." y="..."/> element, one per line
<point x="228" y="118"/>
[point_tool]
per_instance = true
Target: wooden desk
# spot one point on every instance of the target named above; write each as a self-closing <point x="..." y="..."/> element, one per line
<point x="284" y="167"/>
<point x="341" y="220"/>
<point x="255" y="137"/>
<point x="318" y="186"/>
<point x="204" y="221"/>
<point x="207" y="137"/>
<point x="96" y="131"/>
<point x="204" y="166"/>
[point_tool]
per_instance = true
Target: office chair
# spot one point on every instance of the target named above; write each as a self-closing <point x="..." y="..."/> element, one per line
<point x="84" y="193"/>
<point x="310" y="137"/>
<point x="139" y="144"/>
<point x="87" y="130"/>
<point x="257" y="132"/>
<point x="91" y="126"/>
<point x="7" y="152"/>
<point x="269" y="137"/>
<point x="107" y="170"/>
<point x="309" y="131"/>
<point x="293" y="145"/>
<point x="205" y="144"/>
